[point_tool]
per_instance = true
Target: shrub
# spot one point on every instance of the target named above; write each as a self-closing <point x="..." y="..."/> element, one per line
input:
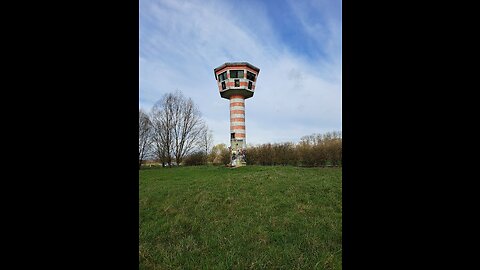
<point x="195" y="159"/>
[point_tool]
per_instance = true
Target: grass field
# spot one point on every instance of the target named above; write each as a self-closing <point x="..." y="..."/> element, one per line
<point x="245" y="218"/>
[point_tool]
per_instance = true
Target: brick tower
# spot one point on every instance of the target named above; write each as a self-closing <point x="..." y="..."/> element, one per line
<point x="236" y="82"/>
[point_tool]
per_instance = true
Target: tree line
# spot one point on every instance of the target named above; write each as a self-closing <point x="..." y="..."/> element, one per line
<point x="317" y="150"/>
<point x="173" y="133"/>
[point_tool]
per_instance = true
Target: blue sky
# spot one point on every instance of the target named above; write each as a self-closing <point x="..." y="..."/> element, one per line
<point x="296" y="44"/>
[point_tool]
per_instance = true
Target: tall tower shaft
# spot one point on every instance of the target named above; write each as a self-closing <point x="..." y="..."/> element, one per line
<point x="237" y="120"/>
<point x="236" y="82"/>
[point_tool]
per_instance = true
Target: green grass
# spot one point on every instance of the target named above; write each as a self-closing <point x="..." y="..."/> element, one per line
<point x="251" y="217"/>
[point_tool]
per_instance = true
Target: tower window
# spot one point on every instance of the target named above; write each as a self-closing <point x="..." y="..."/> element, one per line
<point x="232" y="135"/>
<point x="237" y="83"/>
<point x="250" y="76"/>
<point x="250" y="85"/>
<point x="223" y="85"/>
<point x="222" y="76"/>
<point x="236" y="73"/>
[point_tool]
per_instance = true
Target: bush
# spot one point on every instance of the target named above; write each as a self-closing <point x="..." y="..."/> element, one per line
<point x="195" y="159"/>
<point x="252" y="155"/>
<point x="224" y="156"/>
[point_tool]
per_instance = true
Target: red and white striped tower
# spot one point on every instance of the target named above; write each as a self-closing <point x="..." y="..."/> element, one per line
<point x="237" y="117"/>
<point x="236" y="82"/>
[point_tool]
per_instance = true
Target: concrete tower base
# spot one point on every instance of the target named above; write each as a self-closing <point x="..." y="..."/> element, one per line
<point x="237" y="153"/>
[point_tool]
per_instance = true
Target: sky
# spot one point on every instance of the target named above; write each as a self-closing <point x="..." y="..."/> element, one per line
<point x="296" y="44"/>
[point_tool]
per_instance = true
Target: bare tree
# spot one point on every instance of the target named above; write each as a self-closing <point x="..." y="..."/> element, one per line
<point x="162" y="121"/>
<point x="177" y="127"/>
<point x="144" y="135"/>
<point x="188" y="127"/>
<point x="206" y="142"/>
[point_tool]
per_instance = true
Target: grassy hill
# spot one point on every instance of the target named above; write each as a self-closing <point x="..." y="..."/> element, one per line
<point x="248" y="217"/>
